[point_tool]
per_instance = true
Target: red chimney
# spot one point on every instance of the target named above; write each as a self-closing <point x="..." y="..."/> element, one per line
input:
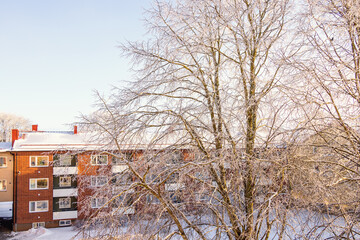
<point x="34" y="128"/>
<point x="75" y="129"/>
<point x="14" y="136"/>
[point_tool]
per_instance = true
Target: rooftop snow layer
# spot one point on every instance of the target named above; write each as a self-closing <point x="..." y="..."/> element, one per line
<point x="32" y="141"/>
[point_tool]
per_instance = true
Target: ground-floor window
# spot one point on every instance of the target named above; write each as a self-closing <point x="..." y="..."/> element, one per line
<point x="39" y="206"/>
<point x="64" y="223"/>
<point x="38" y="224"/>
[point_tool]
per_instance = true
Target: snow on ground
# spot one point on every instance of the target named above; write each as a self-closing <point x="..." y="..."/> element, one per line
<point x="63" y="233"/>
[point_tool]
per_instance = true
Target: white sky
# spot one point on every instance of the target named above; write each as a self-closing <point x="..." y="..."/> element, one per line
<point x="53" y="54"/>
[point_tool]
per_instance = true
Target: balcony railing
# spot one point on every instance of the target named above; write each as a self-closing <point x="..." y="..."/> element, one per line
<point x="119" y="168"/>
<point x="64" y="170"/>
<point x="123" y="210"/>
<point x="174" y="186"/>
<point x="67" y="192"/>
<point x="65" y="215"/>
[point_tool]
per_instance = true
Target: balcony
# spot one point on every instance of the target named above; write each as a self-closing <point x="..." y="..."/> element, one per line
<point x="119" y="168"/>
<point x="65" y="215"/>
<point x="123" y="210"/>
<point x="174" y="186"/>
<point x="120" y="189"/>
<point x="64" y="170"/>
<point x="66" y="192"/>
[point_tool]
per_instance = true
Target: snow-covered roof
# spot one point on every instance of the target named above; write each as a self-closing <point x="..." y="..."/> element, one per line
<point x="53" y="141"/>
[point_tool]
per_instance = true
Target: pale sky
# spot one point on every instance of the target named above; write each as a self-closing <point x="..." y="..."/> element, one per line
<point x="53" y="54"/>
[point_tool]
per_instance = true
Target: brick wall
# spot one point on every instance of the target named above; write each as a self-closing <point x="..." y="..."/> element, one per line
<point x="24" y="195"/>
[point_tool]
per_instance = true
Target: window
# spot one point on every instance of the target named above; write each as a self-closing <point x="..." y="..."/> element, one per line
<point x="122" y="179"/>
<point x="152" y="199"/>
<point x="99" y="159"/>
<point x="122" y="200"/>
<point x="64" y="223"/>
<point x="123" y="158"/>
<point x="98" y="202"/>
<point x="3" y="162"/>
<point x="38" y="224"/>
<point x="65" y="182"/>
<point x="39" y="161"/>
<point x="174" y="197"/>
<point x="64" y="202"/>
<point x="174" y="178"/>
<point x="38" y="206"/>
<point x="65" y="160"/>
<point x="39" y="183"/>
<point x="176" y="158"/>
<point x="3" y="185"/>
<point x="98" y="181"/>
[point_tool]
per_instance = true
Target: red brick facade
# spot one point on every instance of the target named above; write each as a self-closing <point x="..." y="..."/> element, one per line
<point x="23" y="194"/>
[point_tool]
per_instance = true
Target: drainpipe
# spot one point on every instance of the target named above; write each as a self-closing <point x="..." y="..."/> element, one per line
<point x="14" y="212"/>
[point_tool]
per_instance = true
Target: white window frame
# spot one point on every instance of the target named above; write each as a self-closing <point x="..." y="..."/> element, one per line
<point x="3" y="183"/>
<point x="63" y="223"/>
<point x="36" y="225"/>
<point x="60" y="182"/>
<point x="98" y="202"/>
<point x="36" y="183"/>
<point x="5" y="162"/>
<point x="95" y="160"/>
<point x="62" y="200"/>
<point x="38" y="202"/>
<point x="96" y="180"/>
<point x="36" y="161"/>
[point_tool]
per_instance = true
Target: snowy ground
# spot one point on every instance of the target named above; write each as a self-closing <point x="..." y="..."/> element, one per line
<point x="63" y="233"/>
<point x="301" y="225"/>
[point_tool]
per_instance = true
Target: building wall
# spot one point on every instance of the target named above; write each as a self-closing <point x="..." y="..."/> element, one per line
<point x="85" y="171"/>
<point x="6" y="173"/>
<point x="23" y="193"/>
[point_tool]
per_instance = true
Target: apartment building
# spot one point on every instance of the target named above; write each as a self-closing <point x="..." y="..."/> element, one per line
<point x="6" y="180"/>
<point x="56" y="176"/>
<point x="45" y="185"/>
<point x="55" y="172"/>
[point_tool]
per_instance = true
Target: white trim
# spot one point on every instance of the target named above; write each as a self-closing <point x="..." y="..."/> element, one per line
<point x="36" y="202"/>
<point x="36" y="183"/>
<point x="36" y="161"/>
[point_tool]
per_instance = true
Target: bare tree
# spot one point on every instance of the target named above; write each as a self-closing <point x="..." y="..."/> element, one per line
<point x="330" y="163"/>
<point x="10" y="121"/>
<point x="208" y="87"/>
